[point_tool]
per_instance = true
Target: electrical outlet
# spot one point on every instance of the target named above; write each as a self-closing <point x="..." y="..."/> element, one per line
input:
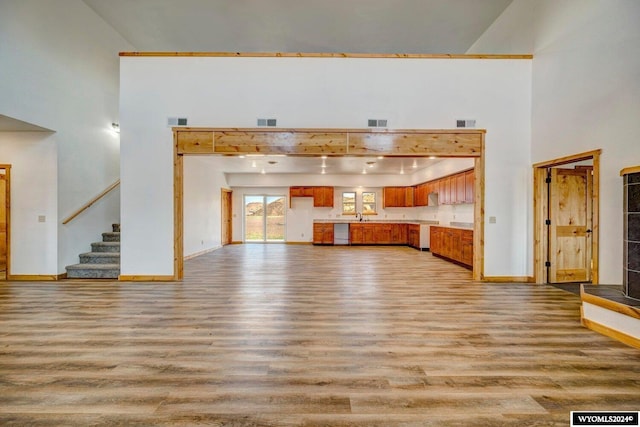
<point x="492" y="220"/>
<point x="42" y="218"/>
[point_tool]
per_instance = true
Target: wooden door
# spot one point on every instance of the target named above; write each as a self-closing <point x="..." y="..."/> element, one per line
<point x="570" y="227"/>
<point x="227" y="216"/>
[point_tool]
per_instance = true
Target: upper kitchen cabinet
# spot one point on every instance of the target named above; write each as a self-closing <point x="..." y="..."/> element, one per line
<point x="455" y="189"/>
<point x="469" y="186"/>
<point x="322" y="196"/>
<point x="397" y="197"/>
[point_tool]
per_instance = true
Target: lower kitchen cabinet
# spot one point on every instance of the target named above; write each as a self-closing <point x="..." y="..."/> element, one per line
<point x="413" y="235"/>
<point x="377" y="234"/>
<point x="453" y="243"/>
<point x="322" y="233"/>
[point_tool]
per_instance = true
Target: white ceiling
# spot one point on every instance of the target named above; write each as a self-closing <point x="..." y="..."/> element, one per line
<point x="333" y="165"/>
<point x="326" y="26"/>
<point x="352" y="26"/>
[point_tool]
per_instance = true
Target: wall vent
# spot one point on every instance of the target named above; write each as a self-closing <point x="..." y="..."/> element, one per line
<point x="465" y="123"/>
<point x="267" y="122"/>
<point x="377" y="123"/>
<point x="176" y="121"/>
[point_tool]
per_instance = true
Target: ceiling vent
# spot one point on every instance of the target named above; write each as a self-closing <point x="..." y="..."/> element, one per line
<point x="377" y="123"/>
<point x="176" y="121"/>
<point x="465" y="123"/>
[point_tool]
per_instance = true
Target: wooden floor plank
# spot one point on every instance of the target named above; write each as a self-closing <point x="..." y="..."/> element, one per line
<point x="297" y="335"/>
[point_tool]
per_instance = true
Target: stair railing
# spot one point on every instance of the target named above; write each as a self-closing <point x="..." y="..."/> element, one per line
<point x="91" y="202"/>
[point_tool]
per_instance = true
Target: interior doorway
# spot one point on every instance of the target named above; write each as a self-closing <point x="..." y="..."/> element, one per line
<point x="566" y="219"/>
<point x="264" y="218"/>
<point x="4" y="220"/>
<point x="227" y="216"/>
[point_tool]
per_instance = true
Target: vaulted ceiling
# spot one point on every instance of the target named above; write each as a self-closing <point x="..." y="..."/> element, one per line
<point x="310" y="26"/>
<point x="352" y="26"/>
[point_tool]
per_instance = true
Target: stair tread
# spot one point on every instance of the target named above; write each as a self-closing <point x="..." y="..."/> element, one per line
<point x="106" y="243"/>
<point x="94" y="266"/>
<point x="101" y="254"/>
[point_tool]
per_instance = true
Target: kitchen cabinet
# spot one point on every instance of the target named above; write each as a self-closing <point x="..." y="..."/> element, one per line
<point x="322" y="233"/>
<point x="322" y="196"/>
<point x="413" y="235"/>
<point x="399" y="234"/>
<point x="453" y="243"/>
<point x="421" y="194"/>
<point x="460" y="188"/>
<point x="467" y="247"/>
<point x="435" y="244"/>
<point x="469" y="187"/>
<point x="368" y="234"/>
<point x="397" y="197"/>
<point x="363" y="233"/>
<point x="356" y="234"/>
<point x="382" y="233"/>
<point x="301" y="191"/>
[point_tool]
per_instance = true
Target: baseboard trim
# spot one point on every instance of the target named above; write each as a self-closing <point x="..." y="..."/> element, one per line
<point x="237" y="242"/>
<point x="508" y="279"/>
<point x="36" y="277"/>
<point x="611" y="333"/>
<point x="133" y="278"/>
<point x="299" y="243"/>
<point x="197" y="254"/>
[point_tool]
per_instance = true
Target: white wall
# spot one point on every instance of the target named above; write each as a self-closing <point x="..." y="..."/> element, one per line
<point x="60" y="71"/>
<point x="32" y="156"/>
<point x="202" y="205"/>
<point x="586" y="93"/>
<point x="318" y="93"/>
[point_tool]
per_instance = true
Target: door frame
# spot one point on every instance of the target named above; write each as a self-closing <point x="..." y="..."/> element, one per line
<point x="7" y="169"/>
<point x="226" y="215"/>
<point x="541" y="207"/>
<point x="461" y="143"/>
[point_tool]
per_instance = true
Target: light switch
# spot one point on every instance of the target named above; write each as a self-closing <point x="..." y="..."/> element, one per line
<point x="42" y="218"/>
<point x="492" y="220"/>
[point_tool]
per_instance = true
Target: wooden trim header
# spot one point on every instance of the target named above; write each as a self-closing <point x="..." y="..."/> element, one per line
<point x="324" y="55"/>
<point x="627" y="171"/>
<point x="336" y="142"/>
<point x="569" y="159"/>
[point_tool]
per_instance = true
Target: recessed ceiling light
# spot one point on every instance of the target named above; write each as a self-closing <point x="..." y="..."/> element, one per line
<point x="364" y="171"/>
<point x="324" y="157"/>
<point x="241" y="157"/>
<point x="253" y="164"/>
<point x="432" y="157"/>
<point x="323" y="171"/>
<point x="380" y="157"/>
<point x="415" y="164"/>
<point x="263" y="171"/>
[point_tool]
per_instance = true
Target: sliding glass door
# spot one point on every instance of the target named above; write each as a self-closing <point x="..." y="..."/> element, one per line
<point x="264" y="218"/>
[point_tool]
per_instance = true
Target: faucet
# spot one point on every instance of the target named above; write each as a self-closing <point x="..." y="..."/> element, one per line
<point x="359" y="214"/>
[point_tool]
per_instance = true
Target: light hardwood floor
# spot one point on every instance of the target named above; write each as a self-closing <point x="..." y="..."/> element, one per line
<point x="288" y="335"/>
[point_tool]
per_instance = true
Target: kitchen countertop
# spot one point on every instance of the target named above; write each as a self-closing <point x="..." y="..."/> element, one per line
<point x="376" y="221"/>
<point x="458" y="225"/>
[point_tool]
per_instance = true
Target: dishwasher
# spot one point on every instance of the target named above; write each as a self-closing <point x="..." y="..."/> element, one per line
<point x="340" y="234"/>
